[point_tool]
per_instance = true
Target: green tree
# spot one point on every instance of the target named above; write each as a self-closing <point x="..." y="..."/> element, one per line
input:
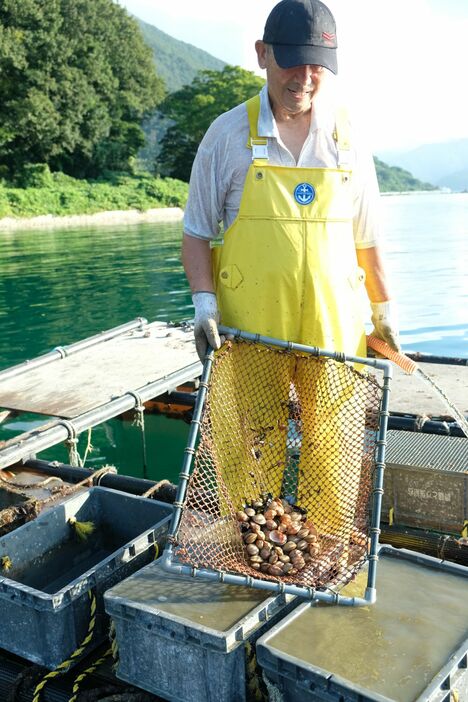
<point x="194" y="107"/>
<point x="76" y="79"/>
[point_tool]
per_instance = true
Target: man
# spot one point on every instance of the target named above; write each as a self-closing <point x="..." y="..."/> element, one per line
<point x="298" y="50"/>
<point x="298" y="198"/>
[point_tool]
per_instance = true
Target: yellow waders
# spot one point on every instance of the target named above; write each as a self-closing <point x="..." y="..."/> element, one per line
<point x="288" y="269"/>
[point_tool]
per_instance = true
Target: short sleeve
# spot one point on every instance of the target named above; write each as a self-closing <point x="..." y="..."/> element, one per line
<point x="367" y="214"/>
<point x="207" y="191"/>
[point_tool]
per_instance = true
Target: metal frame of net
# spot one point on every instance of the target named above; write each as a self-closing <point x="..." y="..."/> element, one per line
<point x="282" y="480"/>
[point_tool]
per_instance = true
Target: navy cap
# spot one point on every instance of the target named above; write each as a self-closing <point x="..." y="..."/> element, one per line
<point x="302" y="32"/>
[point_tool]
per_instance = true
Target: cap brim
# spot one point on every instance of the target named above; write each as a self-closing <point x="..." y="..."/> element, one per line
<point x="288" y="55"/>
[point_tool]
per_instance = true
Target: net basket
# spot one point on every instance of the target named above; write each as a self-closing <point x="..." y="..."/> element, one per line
<point x="283" y="469"/>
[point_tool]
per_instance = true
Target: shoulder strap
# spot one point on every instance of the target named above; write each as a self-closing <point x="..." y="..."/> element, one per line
<point x="259" y="145"/>
<point x="342" y="137"/>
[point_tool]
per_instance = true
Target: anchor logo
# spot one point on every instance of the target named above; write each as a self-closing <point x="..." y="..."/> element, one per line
<point x="304" y="193"/>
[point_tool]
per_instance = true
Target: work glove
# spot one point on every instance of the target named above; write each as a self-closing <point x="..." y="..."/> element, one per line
<point x="384" y="319"/>
<point x="206" y="322"/>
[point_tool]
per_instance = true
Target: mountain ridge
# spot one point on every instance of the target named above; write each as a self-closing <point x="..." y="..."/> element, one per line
<point x="443" y="163"/>
<point x="177" y="62"/>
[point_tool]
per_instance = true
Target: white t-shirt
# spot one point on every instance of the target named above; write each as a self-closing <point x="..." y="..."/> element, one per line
<point x="220" y="168"/>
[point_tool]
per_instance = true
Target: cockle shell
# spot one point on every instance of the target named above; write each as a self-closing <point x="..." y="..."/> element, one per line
<point x="275" y="570"/>
<point x="289" y="546"/>
<point x="250" y="537"/>
<point x="278" y="537"/>
<point x="293" y="529"/>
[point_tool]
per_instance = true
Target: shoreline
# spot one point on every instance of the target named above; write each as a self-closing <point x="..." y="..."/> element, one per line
<point x="114" y="217"/>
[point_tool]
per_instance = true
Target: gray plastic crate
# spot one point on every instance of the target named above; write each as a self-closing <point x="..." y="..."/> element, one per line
<point x="332" y="662"/>
<point x="44" y="601"/>
<point x="184" y="638"/>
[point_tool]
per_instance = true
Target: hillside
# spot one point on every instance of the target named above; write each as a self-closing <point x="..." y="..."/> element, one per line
<point x="443" y="164"/>
<point x="177" y="62"/>
<point x="395" y="179"/>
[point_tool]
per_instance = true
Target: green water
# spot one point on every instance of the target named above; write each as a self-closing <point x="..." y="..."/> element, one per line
<point x="59" y="286"/>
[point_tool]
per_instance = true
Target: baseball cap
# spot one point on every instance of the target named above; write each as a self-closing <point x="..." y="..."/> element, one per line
<point x="302" y="32"/>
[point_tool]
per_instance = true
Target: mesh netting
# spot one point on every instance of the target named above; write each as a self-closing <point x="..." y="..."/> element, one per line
<point x="283" y="470"/>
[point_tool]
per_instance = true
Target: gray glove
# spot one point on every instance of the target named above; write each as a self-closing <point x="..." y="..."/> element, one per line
<point x="206" y="322"/>
<point x="384" y="319"/>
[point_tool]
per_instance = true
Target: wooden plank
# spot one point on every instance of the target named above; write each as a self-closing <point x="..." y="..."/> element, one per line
<point x="76" y="384"/>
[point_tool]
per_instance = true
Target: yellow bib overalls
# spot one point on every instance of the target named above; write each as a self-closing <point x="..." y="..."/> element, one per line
<point x="287" y="269"/>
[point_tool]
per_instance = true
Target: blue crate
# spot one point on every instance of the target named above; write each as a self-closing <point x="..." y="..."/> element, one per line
<point x="308" y="678"/>
<point x="184" y="638"/>
<point x="44" y="596"/>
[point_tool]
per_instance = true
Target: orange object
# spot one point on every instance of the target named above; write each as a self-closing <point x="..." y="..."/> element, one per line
<point x="384" y="349"/>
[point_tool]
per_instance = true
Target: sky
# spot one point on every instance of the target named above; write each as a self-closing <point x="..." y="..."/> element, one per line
<point x="402" y="63"/>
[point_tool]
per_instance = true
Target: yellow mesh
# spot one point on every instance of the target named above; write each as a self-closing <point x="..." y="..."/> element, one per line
<point x="283" y="470"/>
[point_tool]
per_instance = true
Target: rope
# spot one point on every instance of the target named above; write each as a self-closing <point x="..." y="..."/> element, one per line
<point x="72" y="443"/>
<point x="156" y="487"/>
<point x="139" y="421"/>
<point x="114" y="646"/>
<point x="96" y="477"/>
<point x="79" y="679"/>
<point x="30" y="486"/>
<point x="89" y="447"/>
<point x="65" y="666"/>
<point x="441" y="545"/>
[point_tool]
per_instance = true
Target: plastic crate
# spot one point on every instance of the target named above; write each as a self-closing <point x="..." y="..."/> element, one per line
<point x="44" y="600"/>
<point x="367" y="655"/>
<point x="184" y="638"/>
<point x="426" y="481"/>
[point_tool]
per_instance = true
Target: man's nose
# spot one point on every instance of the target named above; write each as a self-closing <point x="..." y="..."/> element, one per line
<point x="305" y="72"/>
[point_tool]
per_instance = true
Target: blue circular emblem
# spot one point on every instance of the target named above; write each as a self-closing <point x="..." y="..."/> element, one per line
<point x="304" y="193"/>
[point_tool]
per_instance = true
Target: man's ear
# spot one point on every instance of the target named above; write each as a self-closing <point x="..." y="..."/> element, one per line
<point x="261" y="49"/>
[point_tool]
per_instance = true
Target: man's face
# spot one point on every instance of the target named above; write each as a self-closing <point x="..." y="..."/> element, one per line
<point x="291" y="90"/>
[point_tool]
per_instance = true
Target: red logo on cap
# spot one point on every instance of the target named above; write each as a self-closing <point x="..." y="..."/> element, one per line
<point x="328" y="37"/>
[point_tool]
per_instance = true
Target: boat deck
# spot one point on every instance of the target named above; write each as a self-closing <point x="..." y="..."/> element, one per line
<point x="409" y="393"/>
<point x="93" y="375"/>
<point x="94" y="380"/>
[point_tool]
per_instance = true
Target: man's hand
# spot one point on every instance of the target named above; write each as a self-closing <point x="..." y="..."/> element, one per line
<point x="206" y="322"/>
<point x="384" y="319"/>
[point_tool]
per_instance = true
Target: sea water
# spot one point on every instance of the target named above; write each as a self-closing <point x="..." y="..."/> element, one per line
<point x="425" y="237"/>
